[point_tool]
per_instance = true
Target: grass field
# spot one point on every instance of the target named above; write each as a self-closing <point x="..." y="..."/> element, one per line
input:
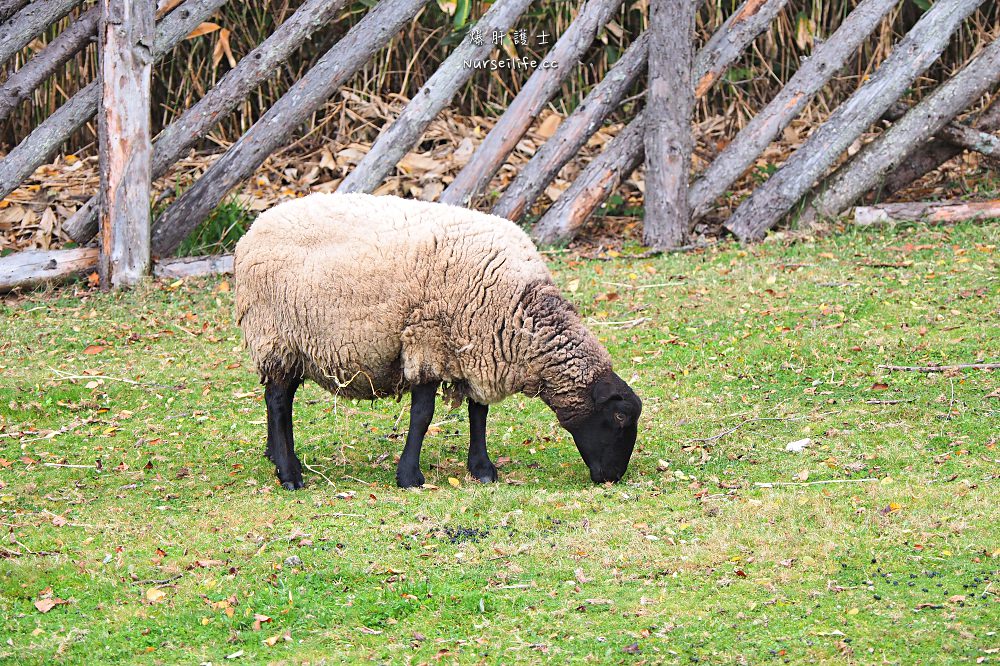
<point x="142" y="524"/>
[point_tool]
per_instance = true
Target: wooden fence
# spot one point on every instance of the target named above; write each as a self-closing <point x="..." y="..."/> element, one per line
<point x="132" y="37"/>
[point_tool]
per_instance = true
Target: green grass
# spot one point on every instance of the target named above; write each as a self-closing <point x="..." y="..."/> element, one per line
<point x="687" y="560"/>
<point x="219" y="232"/>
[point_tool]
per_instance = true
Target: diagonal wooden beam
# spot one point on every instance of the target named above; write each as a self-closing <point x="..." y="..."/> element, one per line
<point x="606" y="171"/>
<point x="275" y="127"/>
<point x="911" y="56"/>
<point x="532" y="98"/>
<point x="43" y="142"/>
<point x="218" y="102"/>
<point x="405" y="131"/>
<point x="826" y="60"/>
<point x="28" y="23"/>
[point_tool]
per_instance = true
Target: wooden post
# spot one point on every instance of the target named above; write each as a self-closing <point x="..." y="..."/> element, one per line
<point x="43" y="142"/>
<point x="273" y="129"/>
<point x="532" y="98"/>
<point x="218" y="102"/>
<point x="18" y="32"/>
<point x="399" y="137"/>
<point x="911" y="56"/>
<point x="20" y="84"/>
<point x="828" y="59"/>
<point x="620" y="157"/>
<point x="573" y="132"/>
<point x="669" y="111"/>
<point x="126" y="43"/>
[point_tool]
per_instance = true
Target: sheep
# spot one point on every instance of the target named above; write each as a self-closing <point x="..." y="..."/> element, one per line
<point x="373" y="296"/>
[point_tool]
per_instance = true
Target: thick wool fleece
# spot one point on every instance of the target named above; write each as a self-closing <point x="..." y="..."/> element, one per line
<point x="369" y="295"/>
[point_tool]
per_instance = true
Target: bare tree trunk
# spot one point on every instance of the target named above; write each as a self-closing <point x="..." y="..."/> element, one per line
<point x="605" y="172"/>
<point x="811" y="75"/>
<point x="184" y="267"/>
<point x="914" y="53"/>
<point x="865" y="169"/>
<point x="20" y="84"/>
<point x="196" y="121"/>
<point x="126" y="38"/>
<point x="592" y="186"/>
<point x="39" y="146"/>
<point x="669" y="110"/>
<point x="281" y="120"/>
<point x="936" y="152"/>
<point x="573" y="132"/>
<point x="30" y="268"/>
<point x="529" y="102"/>
<point x="404" y="132"/>
<point x="10" y="7"/>
<point x="28" y="23"/>
<point x="926" y="212"/>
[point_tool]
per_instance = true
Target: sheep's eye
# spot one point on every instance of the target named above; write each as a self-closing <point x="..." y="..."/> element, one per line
<point x="620" y="417"/>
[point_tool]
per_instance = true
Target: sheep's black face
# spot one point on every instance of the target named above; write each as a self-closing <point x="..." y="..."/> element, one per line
<point x="606" y="437"/>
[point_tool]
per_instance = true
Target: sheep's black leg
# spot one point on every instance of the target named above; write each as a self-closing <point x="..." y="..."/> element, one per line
<point x="280" y="447"/>
<point x="480" y="465"/>
<point x="421" y="412"/>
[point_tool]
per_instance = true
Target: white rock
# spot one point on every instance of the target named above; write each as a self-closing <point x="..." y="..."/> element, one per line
<point x="798" y="445"/>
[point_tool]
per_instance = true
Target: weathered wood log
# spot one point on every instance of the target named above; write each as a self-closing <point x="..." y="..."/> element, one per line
<point x="530" y="101"/>
<point x="43" y="142"/>
<point x="125" y="150"/>
<point x="911" y="56"/>
<point x="20" y="84"/>
<point x="10" y="7"/>
<point x="941" y="368"/>
<point x="956" y="133"/>
<point x="592" y="186"/>
<point x="605" y="172"/>
<point x="812" y="74"/>
<point x="184" y="267"/>
<point x="936" y="152"/>
<point x="405" y="131"/>
<point x="274" y="128"/>
<point x="31" y="268"/>
<point x="573" y="132"/>
<point x="926" y="212"/>
<point x="726" y="45"/>
<point x="669" y="111"/>
<point x="864" y="171"/>
<point x="28" y="23"/>
<point x="235" y="86"/>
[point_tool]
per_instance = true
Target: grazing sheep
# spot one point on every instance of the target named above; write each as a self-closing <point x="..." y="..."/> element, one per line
<point x="374" y="296"/>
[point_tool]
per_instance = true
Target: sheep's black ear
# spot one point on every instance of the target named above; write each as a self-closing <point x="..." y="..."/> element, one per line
<point x="607" y="389"/>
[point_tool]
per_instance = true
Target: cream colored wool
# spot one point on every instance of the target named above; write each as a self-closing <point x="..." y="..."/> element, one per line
<point x="368" y="295"/>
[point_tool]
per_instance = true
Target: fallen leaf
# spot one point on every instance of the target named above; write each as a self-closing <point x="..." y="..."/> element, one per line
<point x="93" y="349"/>
<point x="155" y="594"/>
<point x="802" y="476"/>
<point x="45" y="605"/>
<point x="879" y="386"/>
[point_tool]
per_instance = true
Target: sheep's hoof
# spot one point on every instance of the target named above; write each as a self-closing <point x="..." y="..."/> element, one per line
<point x="409" y="479"/>
<point x="484" y="473"/>
<point x="293" y="485"/>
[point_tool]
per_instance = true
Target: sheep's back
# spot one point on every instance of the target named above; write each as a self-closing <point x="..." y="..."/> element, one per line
<point x="365" y="294"/>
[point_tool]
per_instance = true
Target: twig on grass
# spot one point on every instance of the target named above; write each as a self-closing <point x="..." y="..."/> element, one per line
<point x="875" y="401"/>
<point x="942" y="368"/>
<point x="631" y="323"/>
<point x="316" y="471"/>
<point x="69" y="466"/>
<point x="157" y="583"/>
<point x="773" y="484"/>
<point x="754" y="420"/>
